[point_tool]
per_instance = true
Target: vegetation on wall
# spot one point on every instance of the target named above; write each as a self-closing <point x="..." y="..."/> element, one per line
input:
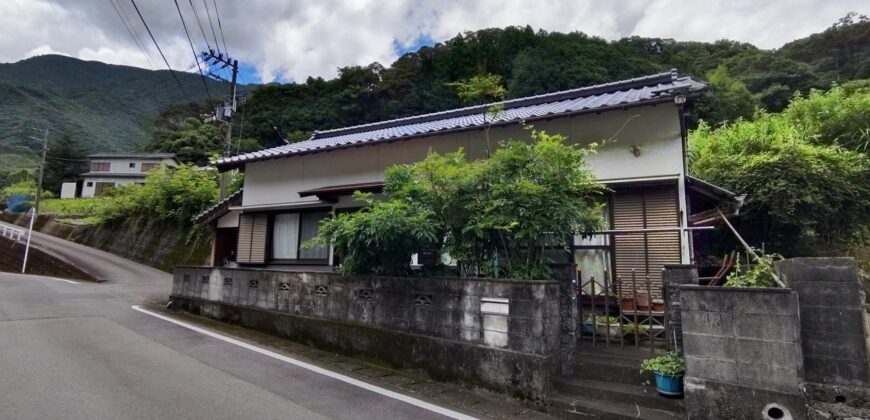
<point x="174" y="195"/>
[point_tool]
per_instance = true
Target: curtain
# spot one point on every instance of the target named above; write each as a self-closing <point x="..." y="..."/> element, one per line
<point x="310" y="225"/>
<point x="285" y="236"/>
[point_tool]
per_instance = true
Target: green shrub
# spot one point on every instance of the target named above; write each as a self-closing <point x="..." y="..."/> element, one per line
<point x="670" y="364"/>
<point x="498" y="215"/>
<point x="173" y="195"/>
<point x="379" y="239"/>
<point x="806" y="194"/>
<point x="73" y="206"/>
<point x="760" y="274"/>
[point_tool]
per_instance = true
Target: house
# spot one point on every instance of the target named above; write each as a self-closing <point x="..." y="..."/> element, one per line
<point x="113" y="169"/>
<point x="289" y="189"/>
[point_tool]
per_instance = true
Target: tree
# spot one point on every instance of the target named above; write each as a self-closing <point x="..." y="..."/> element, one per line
<point x="729" y="99"/>
<point x="479" y="90"/>
<point x="65" y="162"/>
<point x="806" y="195"/>
<point x="498" y="215"/>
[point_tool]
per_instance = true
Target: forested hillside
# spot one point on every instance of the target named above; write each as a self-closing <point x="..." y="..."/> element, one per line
<point x="114" y="108"/>
<point x="104" y="107"/>
<point x="742" y="76"/>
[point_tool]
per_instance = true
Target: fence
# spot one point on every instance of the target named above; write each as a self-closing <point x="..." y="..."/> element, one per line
<point x="11" y="232"/>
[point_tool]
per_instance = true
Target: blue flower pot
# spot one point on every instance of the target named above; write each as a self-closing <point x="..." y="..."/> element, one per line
<point x="587" y="328"/>
<point x="671" y="386"/>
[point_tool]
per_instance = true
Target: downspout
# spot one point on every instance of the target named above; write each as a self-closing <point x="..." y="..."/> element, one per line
<point x="680" y="102"/>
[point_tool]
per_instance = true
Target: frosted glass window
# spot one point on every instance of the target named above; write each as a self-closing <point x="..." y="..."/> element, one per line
<point x="310" y="225"/>
<point x="593" y="265"/>
<point x="285" y="236"/>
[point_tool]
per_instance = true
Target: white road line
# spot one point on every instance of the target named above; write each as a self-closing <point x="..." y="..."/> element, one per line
<point x="49" y="278"/>
<point x="376" y="389"/>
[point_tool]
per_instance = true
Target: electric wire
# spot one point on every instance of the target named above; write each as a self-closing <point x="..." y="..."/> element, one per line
<point x="132" y="34"/>
<point x="207" y="13"/>
<point x="220" y="26"/>
<point x="160" y="51"/>
<point x="193" y="51"/>
<point x="201" y="30"/>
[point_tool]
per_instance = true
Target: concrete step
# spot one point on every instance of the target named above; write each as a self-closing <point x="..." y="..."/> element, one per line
<point x="610" y="368"/>
<point x="577" y="407"/>
<point x="644" y="396"/>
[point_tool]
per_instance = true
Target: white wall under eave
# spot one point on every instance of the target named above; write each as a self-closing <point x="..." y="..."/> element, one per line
<point x="229" y="220"/>
<point x="654" y="129"/>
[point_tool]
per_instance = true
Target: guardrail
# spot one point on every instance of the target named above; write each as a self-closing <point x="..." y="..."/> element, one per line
<point x="11" y="233"/>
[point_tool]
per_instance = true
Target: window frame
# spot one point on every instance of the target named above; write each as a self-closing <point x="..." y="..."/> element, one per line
<point x="298" y="261"/>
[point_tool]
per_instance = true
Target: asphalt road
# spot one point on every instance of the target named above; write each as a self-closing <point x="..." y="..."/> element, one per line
<point x="78" y="351"/>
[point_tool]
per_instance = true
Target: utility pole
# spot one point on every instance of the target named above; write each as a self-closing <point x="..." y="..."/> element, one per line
<point x="35" y="210"/>
<point x="226" y="111"/>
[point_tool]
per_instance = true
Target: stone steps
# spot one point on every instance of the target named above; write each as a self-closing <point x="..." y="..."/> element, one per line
<point x="579" y="407"/>
<point x="608" y="384"/>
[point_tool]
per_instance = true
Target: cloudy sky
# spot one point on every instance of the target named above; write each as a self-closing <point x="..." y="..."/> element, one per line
<point x="291" y="40"/>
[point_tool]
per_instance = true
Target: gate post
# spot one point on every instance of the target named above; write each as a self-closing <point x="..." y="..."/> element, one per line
<point x="674" y="275"/>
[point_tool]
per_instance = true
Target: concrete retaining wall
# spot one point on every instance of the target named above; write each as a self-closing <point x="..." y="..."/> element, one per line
<point x="503" y="335"/>
<point x="140" y="239"/>
<point x="743" y="353"/>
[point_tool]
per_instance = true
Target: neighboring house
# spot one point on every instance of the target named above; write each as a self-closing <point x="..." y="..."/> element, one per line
<point x="112" y="170"/>
<point x="289" y="189"/>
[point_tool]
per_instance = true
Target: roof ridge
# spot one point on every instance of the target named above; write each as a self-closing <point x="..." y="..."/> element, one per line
<point x="618" y="85"/>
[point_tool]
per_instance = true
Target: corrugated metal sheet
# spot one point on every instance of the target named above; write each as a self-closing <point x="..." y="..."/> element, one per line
<point x="625" y="93"/>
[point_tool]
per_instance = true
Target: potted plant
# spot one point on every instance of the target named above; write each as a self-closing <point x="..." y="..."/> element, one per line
<point x="587" y="327"/>
<point x="668" y="370"/>
<point x="631" y="331"/>
<point x="607" y="326"/>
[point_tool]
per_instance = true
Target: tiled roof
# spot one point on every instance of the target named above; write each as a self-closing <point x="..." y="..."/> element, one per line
<point x="234" y="198"/>
<point x="625" y="93"/>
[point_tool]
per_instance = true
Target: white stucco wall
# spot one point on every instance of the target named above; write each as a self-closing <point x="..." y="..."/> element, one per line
<point x="88" y="191"/>
<point x="68" y="190"/>
<point x="654" y="129"/>
<point x="122" y="166"/>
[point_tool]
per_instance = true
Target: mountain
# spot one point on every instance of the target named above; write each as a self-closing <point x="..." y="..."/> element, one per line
<point x="105" y="107"/>
<point x="742" y="76"/>
<point x="118" y="108"/>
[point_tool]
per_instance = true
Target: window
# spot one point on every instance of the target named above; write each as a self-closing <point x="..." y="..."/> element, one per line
<point x="90" y="184"/>
<point x="99" y="166"/>
<point x="148" y="166"/>
<point x="290" y="231"/>
<point x="132" y="164"/>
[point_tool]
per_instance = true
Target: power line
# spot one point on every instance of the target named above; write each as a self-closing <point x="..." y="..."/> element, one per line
<point x="193" y="51"/>
<point x="207" y="13"/>
<point x="159" y="50"/>
<point x="201" y="30"/>
<point x="127" y="25"/>
<point x="130" y="28"/>
<point x="220" y="27"/>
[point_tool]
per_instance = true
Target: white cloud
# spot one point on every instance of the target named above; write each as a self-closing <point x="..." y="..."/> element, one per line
<point x="295" y="40"/>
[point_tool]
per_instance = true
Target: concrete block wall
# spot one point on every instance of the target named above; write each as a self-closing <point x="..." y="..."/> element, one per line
<point x="501" y="334"/>
<point x="834" y="333"/>
<point x="743" y="352"/>
<point x="674" y="276"/>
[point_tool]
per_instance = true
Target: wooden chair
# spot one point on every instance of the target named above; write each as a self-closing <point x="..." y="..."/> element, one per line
<point x="727" y="264"/>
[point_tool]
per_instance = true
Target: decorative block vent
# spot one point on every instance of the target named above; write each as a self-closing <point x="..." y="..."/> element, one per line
<point x="365" y="294"/>
<point x="253" y="284"/>
<point x="204" y="279"/>
<point x="186" y="277"/>
<point x="228" y="281"/>
<point x="284" y="287"/>
<point x="321" y="290"/>
<point x="423" y="299"/>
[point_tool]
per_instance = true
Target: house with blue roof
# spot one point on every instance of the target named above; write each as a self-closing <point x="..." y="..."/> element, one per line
<point x="652" y="210"/>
